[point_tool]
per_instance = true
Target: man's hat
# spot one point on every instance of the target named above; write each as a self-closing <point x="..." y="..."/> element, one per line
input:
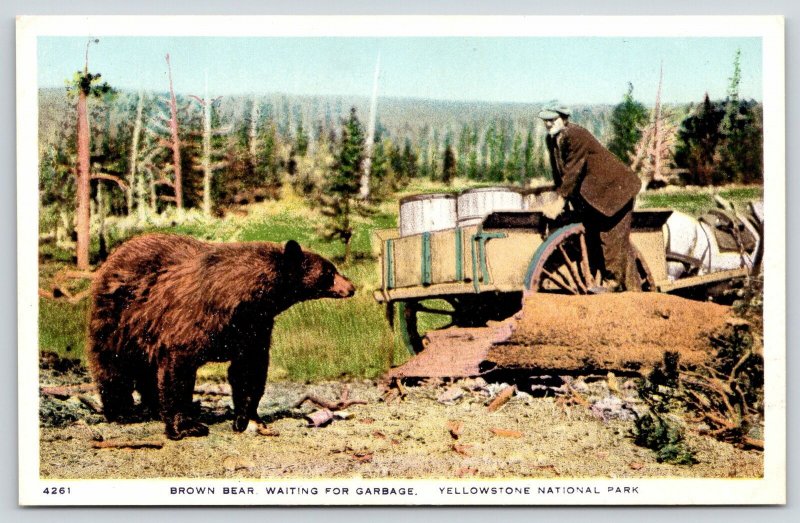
<point x="551" y="113"/>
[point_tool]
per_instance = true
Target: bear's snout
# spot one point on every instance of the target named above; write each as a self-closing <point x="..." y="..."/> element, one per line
<point x="342" y="287"/>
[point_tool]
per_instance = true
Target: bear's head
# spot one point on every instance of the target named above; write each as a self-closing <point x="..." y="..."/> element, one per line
<point x="310" y="276"/>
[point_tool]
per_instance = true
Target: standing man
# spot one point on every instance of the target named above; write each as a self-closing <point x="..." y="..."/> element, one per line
<point x="601" y="189"/>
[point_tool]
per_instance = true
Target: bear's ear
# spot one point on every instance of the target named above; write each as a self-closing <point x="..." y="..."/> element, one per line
<point x="292" y="256"/>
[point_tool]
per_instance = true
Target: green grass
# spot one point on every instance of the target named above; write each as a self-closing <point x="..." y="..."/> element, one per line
<point x="696" y="201"/>
<point x="331" y="339"/>
<point x="324" y="339"/>
<point x="62" y="328"/>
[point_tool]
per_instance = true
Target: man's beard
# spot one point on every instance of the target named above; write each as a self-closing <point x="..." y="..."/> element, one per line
<point x="556" y="128"/>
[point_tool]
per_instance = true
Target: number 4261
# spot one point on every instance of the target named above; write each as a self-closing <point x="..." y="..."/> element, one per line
<point x="56" y="490"/>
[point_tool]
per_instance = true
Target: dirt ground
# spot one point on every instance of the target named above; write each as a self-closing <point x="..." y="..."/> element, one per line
<point x="578" y="424"/>
<point x="439" y="429"/>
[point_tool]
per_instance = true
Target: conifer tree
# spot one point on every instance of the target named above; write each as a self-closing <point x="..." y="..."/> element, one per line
<point x="627" y="120"/>
<point x="341" y="190"/>
<point x="528" y="167"/>
<point x="740" y="148"/>
<point x="449" y="165"/>
<point x="698" y="138"/>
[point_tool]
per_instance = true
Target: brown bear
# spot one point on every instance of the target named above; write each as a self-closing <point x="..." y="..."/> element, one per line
<point x="163" y="305"/>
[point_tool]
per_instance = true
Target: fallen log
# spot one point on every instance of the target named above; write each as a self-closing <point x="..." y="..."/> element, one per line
<point x="128" y="444"/>
<point x="343" y="403"/>
<point x="63" y="392"/>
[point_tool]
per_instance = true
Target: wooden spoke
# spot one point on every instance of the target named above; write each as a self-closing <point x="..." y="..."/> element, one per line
<point x="573" y="270"/>
<point x="558" y="281"/>
<point x="590" y="281"/>
<point x="562" y="265"/>
<point x="566" y="277"/>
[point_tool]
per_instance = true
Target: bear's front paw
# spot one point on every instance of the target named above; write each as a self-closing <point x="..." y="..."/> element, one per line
<point x="241" y="423"/>
<point x="186" y="429"/>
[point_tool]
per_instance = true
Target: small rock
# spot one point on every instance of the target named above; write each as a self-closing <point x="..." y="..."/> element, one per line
<point x="611" y="407"/>
<point x="234" y="463"/>
<point x="450" y="395"/>
<point x="580" y="386"/>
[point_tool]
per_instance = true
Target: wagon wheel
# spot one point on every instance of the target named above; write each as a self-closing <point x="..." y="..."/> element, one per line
<point x="415" y="318"/>
<point x="563" y="265"/>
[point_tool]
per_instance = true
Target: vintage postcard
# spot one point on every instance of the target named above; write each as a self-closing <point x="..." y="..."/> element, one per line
<point x="401" y="260"/>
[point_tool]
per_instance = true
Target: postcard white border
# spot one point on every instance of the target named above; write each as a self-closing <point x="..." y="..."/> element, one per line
<point x="769" y="490"/>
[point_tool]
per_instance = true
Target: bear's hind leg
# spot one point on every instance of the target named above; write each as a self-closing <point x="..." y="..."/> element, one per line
<point x="176" y="377"/>
<point x="147" y="385"/>
<point x="115" y="386"/>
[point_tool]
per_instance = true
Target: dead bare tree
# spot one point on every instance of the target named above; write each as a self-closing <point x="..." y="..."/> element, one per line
<point x="86" y="85"/>
<point x="364" y="189"/>
<point x="133" y="172"/>
<point x="255" y="115"/>
<point x="175" y="143"/>
<point x="163" y="152"/>
<point x="206" y="163"/>
<point x="654" y="149"/>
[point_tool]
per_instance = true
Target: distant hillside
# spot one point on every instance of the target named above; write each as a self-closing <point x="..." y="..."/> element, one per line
<point x="398" y="118"/>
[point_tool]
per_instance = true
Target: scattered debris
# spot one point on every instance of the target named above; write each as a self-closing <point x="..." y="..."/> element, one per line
<point x="63" y="286"/>
<point x="394" y="391"/>
<point x="502" y="398"/>
<point x="474" y="384"/>
<point x="579" y="385"/>
<point x="343" y="403"/>
<point x="467" y="471"/>
<point x="572" y="396"/>
<point x="266" y="430"/>
<point x="450" y="395"/>
<point x="464" y="450"/>
<point x="213" y="389"/>
<point x="128" y="444"/>
<point x="611" y="380"/>
<point x="455" y="428"/>
<point x="234" y="463"/>
<point x="89" y="402"/>
<point x="548" y="467"/>
<point x="64" y="392"/>
<point x="320" y="418"/>
<point x="612" y="407"/>
<point x="363" y="457"/>
<point x="506" y="433"/>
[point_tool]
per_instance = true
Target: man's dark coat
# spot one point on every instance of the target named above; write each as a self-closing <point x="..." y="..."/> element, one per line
<point x="583" y="167"/>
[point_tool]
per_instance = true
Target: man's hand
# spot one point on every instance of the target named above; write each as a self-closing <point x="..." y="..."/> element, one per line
<point x="554" y="208"/>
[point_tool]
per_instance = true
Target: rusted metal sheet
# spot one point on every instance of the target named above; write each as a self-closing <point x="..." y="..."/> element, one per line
<point x="453" y="353"/>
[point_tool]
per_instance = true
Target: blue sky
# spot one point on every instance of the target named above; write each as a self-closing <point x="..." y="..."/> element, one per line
<point x="512" y="69"/>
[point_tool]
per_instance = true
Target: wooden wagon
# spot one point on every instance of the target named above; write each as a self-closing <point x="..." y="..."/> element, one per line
<point x="467" y="276"/>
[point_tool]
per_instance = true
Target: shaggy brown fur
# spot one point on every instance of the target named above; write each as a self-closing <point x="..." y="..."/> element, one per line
<point x="164" y="305"/>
